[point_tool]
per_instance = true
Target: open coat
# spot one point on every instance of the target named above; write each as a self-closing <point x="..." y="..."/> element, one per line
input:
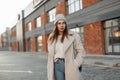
<point x="72" y="61"/>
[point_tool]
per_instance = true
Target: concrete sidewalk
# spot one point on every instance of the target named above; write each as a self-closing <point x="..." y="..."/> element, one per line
<point x="103" y="60"/>
<point x="95" y="67"/>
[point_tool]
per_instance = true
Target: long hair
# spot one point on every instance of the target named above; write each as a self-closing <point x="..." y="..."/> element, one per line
<point x="55" y="33"/>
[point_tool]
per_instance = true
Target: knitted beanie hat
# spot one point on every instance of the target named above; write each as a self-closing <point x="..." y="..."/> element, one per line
<point x="58" y="17"/>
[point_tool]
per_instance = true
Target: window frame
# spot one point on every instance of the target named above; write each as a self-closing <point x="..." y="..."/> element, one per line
<point x="29" y="24"/>
<point x="72" y="5"/>
<point x="53" y="15"/>
<point x="38" y="21"/>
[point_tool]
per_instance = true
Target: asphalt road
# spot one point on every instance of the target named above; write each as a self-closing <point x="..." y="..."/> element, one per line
<point x="32" y="66"/>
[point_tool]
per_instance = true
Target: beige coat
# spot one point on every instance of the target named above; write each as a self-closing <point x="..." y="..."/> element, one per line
<point x="71" y="63"/>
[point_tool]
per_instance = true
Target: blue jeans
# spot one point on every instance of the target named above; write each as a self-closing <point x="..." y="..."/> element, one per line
<point x="59" y="70"/>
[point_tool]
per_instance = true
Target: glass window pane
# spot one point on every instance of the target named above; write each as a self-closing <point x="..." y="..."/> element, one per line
<point x="72" y="30"/>
<point x="29" y="26"/>
<point x="116" y="48"/>
<point x="74" y="5"/>
<point x="77" y="5"/>
<point x="81" y="29"/>
<point x="115" y="22"/>
<point x="69" y="2"/>
<point x="38" y="22"/>
<point x="72" y="1"/>
<point x="72" y="8"/>
<point x="77" y="30"/>
<point x="109" y="50"/>
<point x="69" y="7"/>
<point x="52" y="14"/>
<point x="39" y="42"/>
<point x="80" y="4"/>
<point x="111" y="23"/>
<point x="111" y="40"/>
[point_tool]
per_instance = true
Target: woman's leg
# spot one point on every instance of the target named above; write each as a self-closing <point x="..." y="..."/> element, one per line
<point x="59" y="70"/>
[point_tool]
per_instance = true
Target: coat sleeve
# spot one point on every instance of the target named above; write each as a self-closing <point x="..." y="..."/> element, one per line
<point x="50" y="62"/>
<point x="79" y="49"/>
<point x="50" y="66"/>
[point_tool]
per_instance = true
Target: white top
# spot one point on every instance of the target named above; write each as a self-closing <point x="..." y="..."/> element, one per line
<point x="59" y="49"/>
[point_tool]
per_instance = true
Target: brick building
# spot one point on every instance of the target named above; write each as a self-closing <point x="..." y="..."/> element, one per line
<point x="96" y="21"/>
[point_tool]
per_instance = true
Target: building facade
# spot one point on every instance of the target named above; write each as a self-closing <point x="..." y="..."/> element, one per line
<point x="96" y="21"/>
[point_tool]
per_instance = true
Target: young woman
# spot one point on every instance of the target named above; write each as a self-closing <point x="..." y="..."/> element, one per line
<point x="63" y="63"/>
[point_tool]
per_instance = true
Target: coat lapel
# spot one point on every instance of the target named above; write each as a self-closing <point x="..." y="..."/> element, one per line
<point x="52" y="47"/>
<point x="67" y="42"/>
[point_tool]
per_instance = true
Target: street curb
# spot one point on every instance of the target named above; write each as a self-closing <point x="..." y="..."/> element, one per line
<point x="104" y="60"/>
<point x="103" y="56"/>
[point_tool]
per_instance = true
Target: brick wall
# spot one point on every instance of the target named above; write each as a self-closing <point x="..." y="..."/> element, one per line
<point x="87" y="3"/>
<point x="13" y="34"/>
<point x="44" y="20"/>
<point x="26" y="40"/>
<point x="93" y="33"/>
<point x="14" y="44"/>
<point x="25" y="28"/>
<point x="34" y="39"/>
<point x="61" y="8"/>
<point x="44" y="42"/>
<point x="94" y="38"/>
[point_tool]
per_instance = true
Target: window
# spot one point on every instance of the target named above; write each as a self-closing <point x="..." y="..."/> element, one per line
<point x="29" y="26"/>
<point x="80" y="31"/>
<point x="74" y="5"/>
<point x="4" y="39"/>
<point x="112" y="42"/>
<point x="39" y="43"/>
<point x="38" y="22"/>
<point x="75" y="30"/>
<point x="51" y="15"/>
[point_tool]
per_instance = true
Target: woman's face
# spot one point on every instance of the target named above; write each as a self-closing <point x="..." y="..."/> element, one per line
<point x="61" y="25"/>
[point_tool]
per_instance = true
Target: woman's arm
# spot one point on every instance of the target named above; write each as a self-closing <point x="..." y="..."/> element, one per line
<point x="79" y="49"/>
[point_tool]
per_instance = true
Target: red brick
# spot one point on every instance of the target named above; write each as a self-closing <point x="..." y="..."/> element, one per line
<point x="34" y="44"/>
<point x="26" y="45"/>
<point x="94" y="38"/>
<point x="25" y="28"/>
<point x="87" y="3"/>
<point x="14" y="46"/>
<point x="44" y="20"/>
<point x="33" y="23"/>
<point x="61" y="8"/>
<point x="44" y="42"/>
<point x="34" y="40"/>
